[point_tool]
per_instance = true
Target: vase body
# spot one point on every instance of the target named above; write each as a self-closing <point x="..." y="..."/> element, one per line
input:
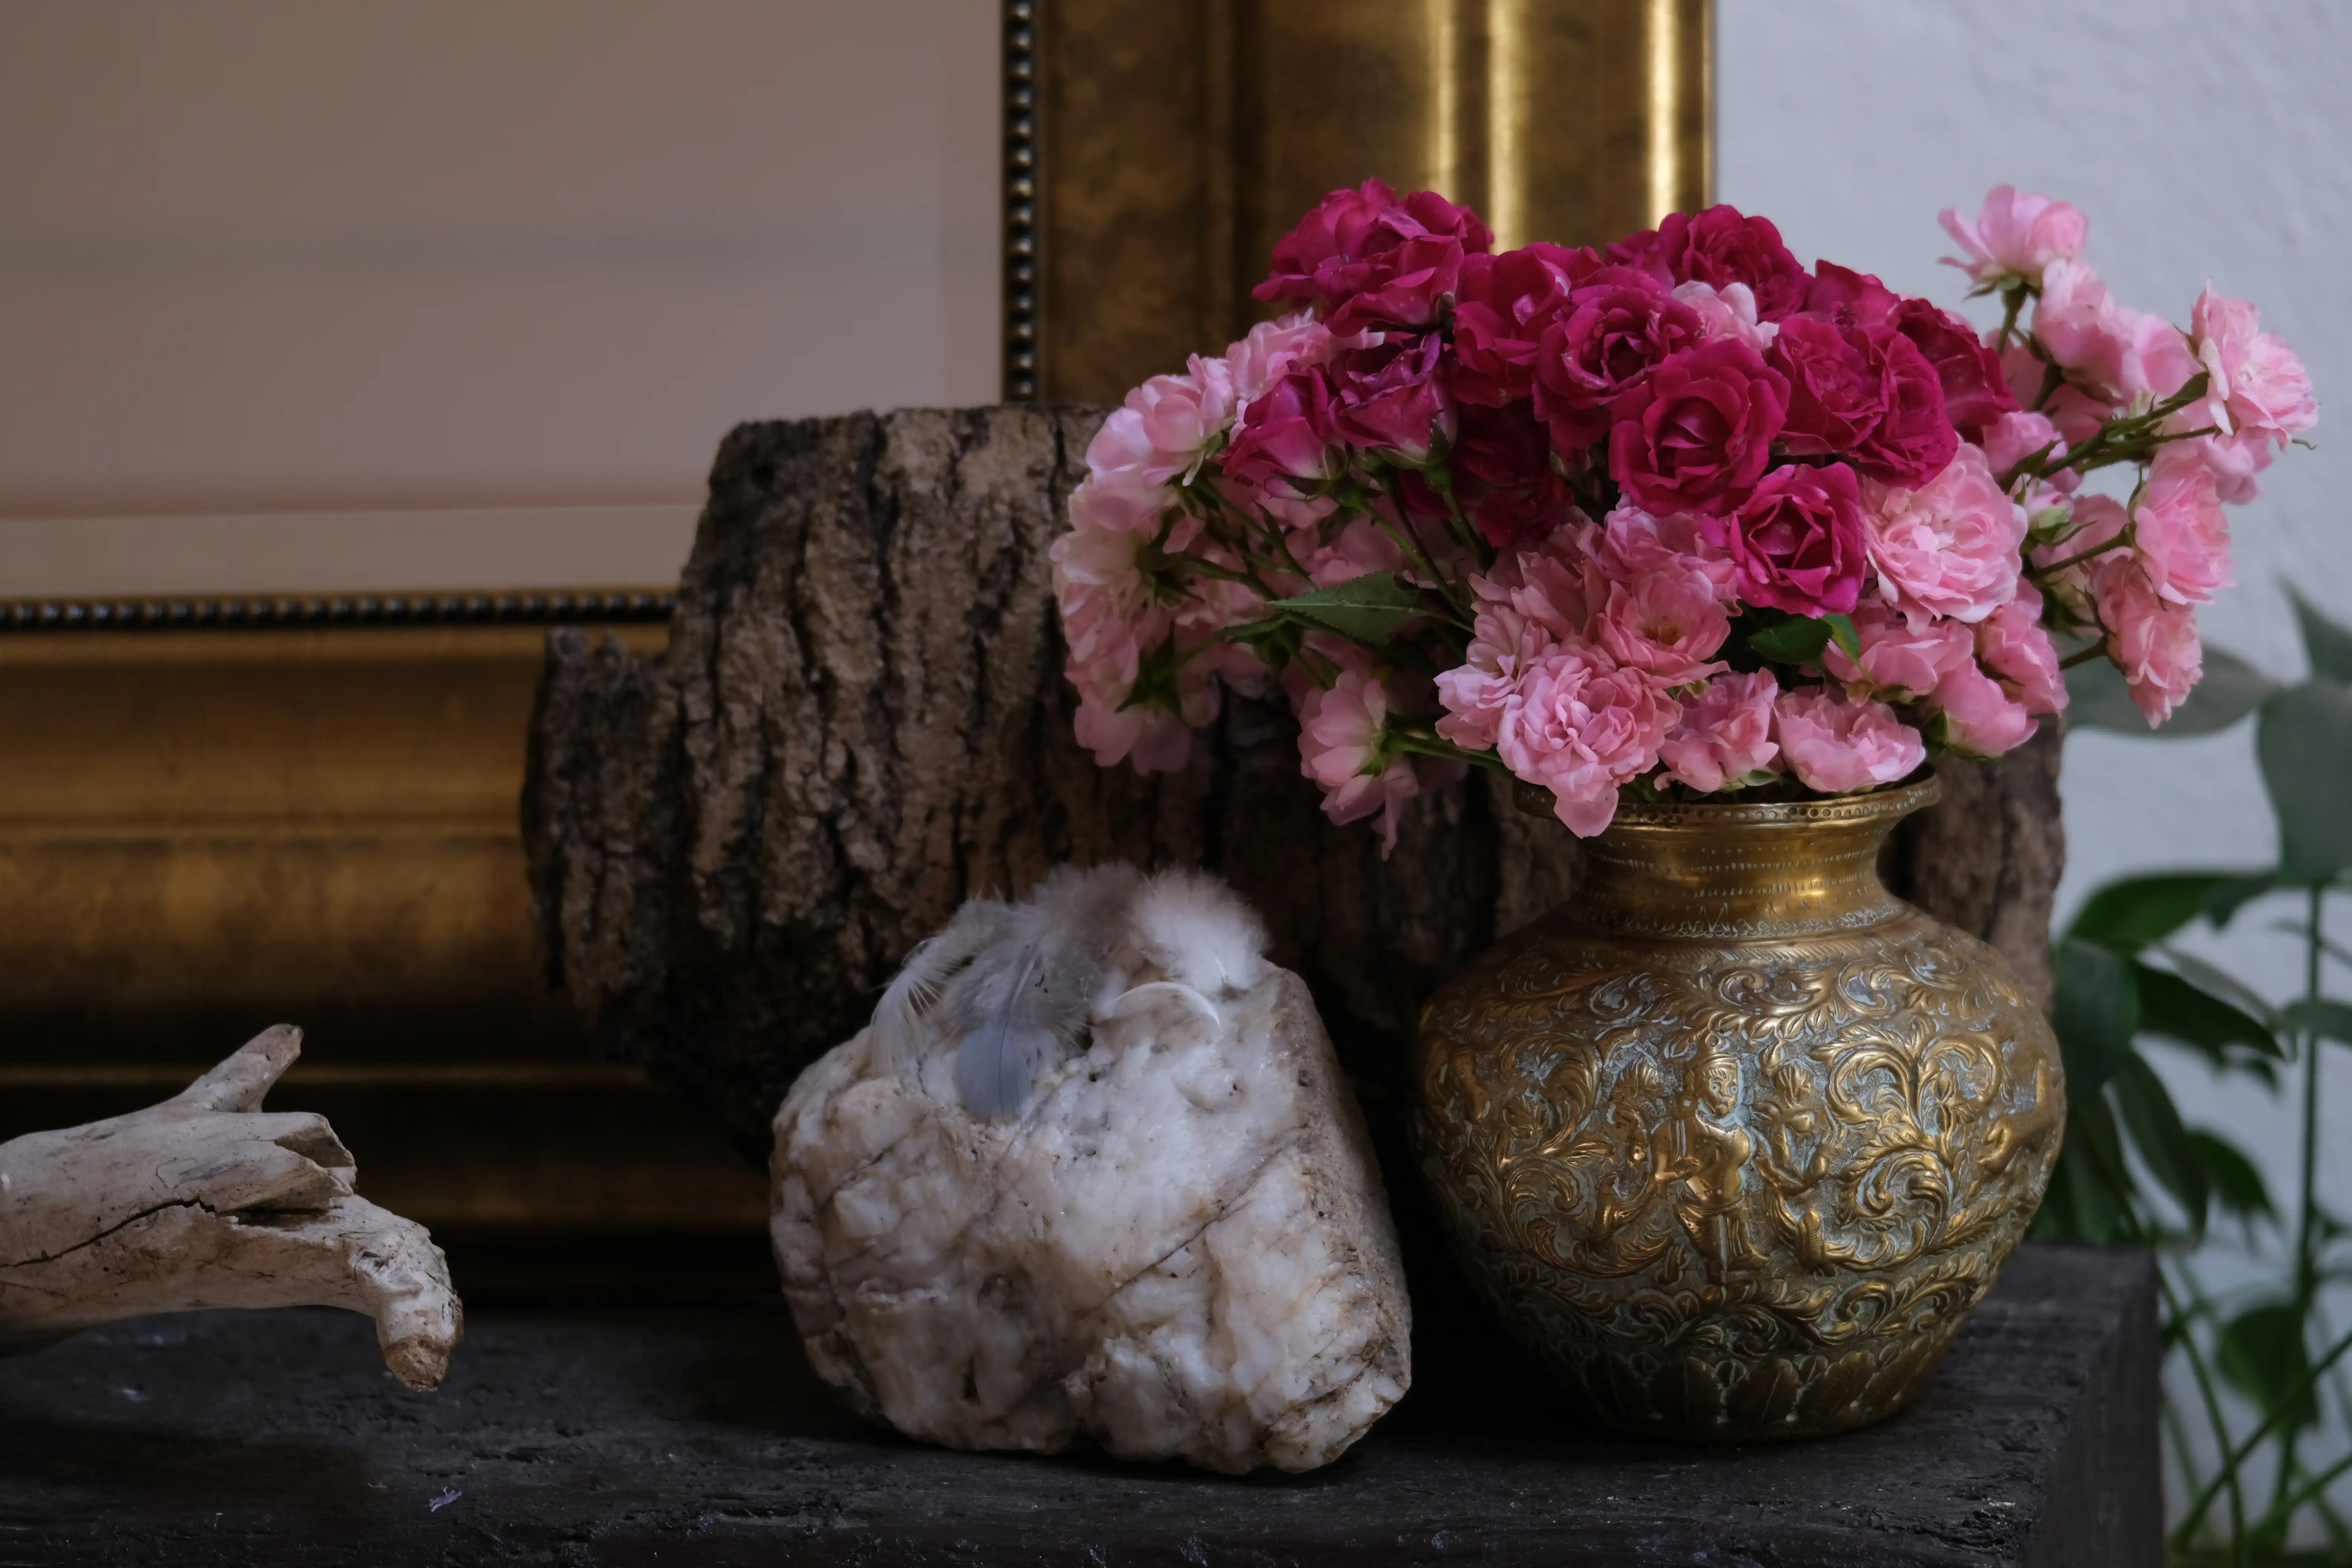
<point x="1735" y="1140"/>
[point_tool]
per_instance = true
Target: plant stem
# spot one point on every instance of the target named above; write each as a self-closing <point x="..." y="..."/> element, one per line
<point x="2213" y="1415"/>
<point x="2306" y="1228"/>
<point x="2203" y="1501"/>
<point x="2083" y="656"/>
<point x="2120" y="542"/>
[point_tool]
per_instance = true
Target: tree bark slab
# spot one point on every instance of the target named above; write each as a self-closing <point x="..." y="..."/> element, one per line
<point x="860" y="721"/>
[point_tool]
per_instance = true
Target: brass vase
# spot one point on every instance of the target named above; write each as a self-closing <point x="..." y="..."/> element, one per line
<point x="1735" y="1140"/>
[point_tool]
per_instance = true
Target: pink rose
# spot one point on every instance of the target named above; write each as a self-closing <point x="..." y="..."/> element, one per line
<point x="1154" y="740"/>
<point x="1182" y="413"/>
<point x="1797" y="541"/>
<point x="1503" y="477"/>
<point x="2152" y="639"/>
<point x="1285" y="438"/>
<point x="1360" y="548"/>
<point x="1108" y="614"/>
<point x="1973" y="716"/>
<point x="1724" y="733"/>
<point x="2179" y="530"/>
<point x="2016" y="234"/>
<point x="2257" y="383"/>
<point x="2018" y="434"/>
<point x="1975" y="392"/>
<point x="1696" y="436"/>
<point x="1477" y="692"/>
<point x="1727" y="312"/>
<point x="1504" y="303"/>
<point x="1388" y="398"/>
<point x="1720" y="246"/>
<point x="1950" y="547"/>
<point x="1901" y="658"/>
<point x="1632" y="543"/>
<point x="2121" y="353"/>
<point x="1580" y="729"/>
<point x="1667" y="622"/>
<point x="1342" y="735"/>
<point x="1837" y="744"/>
<point x="1618" y="326"/>
<point x="2235" y="460"/>
<point x="1273" y="350"/>
<point x="2012" y="645"/>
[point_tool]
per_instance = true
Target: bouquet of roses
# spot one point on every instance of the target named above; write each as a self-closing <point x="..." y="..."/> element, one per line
<point x="1679" y="518"/>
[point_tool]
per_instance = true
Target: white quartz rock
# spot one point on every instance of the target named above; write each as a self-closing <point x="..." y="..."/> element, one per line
<point x="1173" y="1241"/>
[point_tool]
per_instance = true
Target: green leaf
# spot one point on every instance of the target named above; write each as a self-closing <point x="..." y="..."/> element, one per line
<point x="1842" y="629"/>
<point x="2305" y="744"/>
<point x="2136" y="910"/>
<point x="1368" y="609"/>
<point x="2173" y="1007"/>
<point x="2096" y="1013"/>
<point x="1797" y="640"/>
<point x="2319" y="1015"/>
<point x="2081" y="1205"/>
<point x="2327" y="644"/>
<point x="2237" y="1186"/>
<point x="2236" y="892"/>
<point x="2162" y="1141"/>
<point x="2262" y="1352"/>
<point x="2098" y="699"/>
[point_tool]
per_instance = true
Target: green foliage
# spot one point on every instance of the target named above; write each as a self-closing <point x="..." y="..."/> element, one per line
<point x="1369" y="609"/>
<point x="2305" y="743"/>
<point x="1801" y="639"/>
<point x="2327" y="644"/>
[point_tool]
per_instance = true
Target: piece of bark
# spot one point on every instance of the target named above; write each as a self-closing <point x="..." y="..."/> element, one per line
<point x="861" y="719"/>
<point x="207" y="1201"/>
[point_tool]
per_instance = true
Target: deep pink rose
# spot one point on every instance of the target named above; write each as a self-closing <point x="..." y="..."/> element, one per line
<point x="1724" y="733"/>
<point x="1341" y="248"/>
<point x="1503" y="305"/>
<point x="1695" y="433"/>
<point x="1390" y="398"/>
<point x="1285" y="438"/>
<point x="1406" y="287"/>
<point x="1950" y="547"/>
<point x="2012" y="645"/>
<point x="2016" y="234"/>
<point x="1503" y="477"/>
<point x="1837" y="743"/>
<point x="2180" y="531"/>
<point x="1617" y="327"/>
<point x="1901" y="659"/>
<point x="1835" y="398"/>
<point x="1848" y="298"/>
<point x="1974" y="716"/>
<point x="1975" y="392"/>
<point x="1797" y="541"/>
<point x="1581" y="728"/>
<point x="2152" y="639"/>
<point x="1720" y="246"/>
<point x="1913" y="439"/>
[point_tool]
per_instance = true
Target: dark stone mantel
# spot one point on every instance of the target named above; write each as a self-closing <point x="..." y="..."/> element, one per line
<point x="695" y="1438"/>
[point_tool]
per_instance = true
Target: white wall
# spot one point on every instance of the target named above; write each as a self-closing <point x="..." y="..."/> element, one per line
<point x="374" y="293"/>
<point x="2205" y="139"/>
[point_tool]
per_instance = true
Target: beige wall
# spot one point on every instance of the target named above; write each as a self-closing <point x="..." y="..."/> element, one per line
<point x="384" y="293"/>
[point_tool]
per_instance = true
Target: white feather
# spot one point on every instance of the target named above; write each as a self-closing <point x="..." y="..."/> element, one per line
<point x="1137" y="997"/>
<point x="1197" y="931"/>
<point x="938" y="958"/>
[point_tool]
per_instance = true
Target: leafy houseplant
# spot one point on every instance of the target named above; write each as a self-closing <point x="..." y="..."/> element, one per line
<point x="2134" y="1169"/>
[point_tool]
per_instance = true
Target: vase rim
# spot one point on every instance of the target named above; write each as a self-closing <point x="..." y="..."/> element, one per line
<point x="1883" y="804"/>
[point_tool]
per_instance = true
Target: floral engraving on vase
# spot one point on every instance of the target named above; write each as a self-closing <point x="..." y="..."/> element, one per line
<point x="1738" y="1189"/>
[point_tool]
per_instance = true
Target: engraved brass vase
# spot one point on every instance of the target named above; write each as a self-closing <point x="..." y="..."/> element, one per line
<point x="1735" y="1140"/>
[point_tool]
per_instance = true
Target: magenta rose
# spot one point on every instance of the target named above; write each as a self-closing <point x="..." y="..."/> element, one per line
<point x="1405" y="287"/>
<point x="1619" y="325"/>
<point x="1976" y="391"/>
<point x="1283" y="444"/>
<point x="1915" y="438"/>
<point x="1717" y="246"/>
<point x="1797" y="541"/>
<point x="1835" y="398"/>
<point x="1695" y="433"/>
<point x="1347" y="245"/>
<point x="1502" y="475"/>
<point x="1388" y="398"/>
<point x="1848" y="298"/>
<point x="1502" y="305"/>
<point x="1341" y="229"/>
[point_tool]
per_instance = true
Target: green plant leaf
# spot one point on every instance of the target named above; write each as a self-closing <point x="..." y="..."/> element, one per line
<point x="2162" y="1141"/>
<point x="1800" y="639"/>
<point x="2238" y="1187"/>
<point x="2319" y="1015"/>
<point x="2098" y="699"/>
<point x="2305" y="744"/>
<point x="2171" y="1005"/>
<point x="2325" y="644"/>
<point x="2136" y="910"/>
<point x="1368" y="609"/>
<point x="2261" y="1352"/>
<point x="1841" y="631"/>
<point x="2096" y="1013"/>
<point x="2081" y="1205"/>
<point x="2236" y="892"/>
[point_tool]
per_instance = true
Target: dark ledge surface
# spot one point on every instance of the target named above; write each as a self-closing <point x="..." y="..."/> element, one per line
<point x="696" y="1438"/>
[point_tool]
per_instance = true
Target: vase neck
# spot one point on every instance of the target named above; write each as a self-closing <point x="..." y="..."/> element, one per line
<point x="1744" y="871"/>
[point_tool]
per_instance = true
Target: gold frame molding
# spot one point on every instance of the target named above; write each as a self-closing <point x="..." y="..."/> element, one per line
<point x="1153" y="154"/>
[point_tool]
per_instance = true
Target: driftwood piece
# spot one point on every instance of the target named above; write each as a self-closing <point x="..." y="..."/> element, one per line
<point x="860" y="720"/>
<point x="206" y="1201"/>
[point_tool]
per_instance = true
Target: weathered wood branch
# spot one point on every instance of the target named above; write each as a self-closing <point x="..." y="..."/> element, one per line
<point x="205" y="1201"/>
<point x="860" y="720"/>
